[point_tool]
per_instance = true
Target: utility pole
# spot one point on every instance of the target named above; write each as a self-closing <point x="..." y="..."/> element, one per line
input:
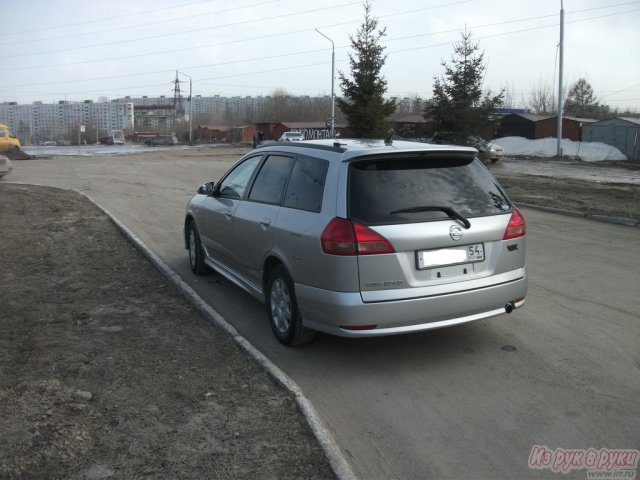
<point x="560" y="67"/>
<point x="190" y="103"/>
<point x="333" y="76"/>
<point x="177" y="97"/>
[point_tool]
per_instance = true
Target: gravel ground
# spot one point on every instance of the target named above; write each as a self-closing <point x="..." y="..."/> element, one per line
<point x="105" y="372"/>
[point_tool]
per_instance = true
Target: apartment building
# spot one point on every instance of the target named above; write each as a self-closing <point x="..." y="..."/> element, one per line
<point x="40" y="122"/>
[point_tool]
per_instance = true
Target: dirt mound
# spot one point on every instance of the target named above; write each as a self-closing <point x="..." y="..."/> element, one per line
<point x="17" y="154"/>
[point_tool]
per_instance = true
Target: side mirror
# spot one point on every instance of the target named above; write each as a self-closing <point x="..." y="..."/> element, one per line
<point x="207" y="188"/>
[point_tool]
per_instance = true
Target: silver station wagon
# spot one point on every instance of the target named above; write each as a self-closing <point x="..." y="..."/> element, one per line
<point x="362" y="237"/>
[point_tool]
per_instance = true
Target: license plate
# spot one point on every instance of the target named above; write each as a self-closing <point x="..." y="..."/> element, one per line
<point x="451" y="256"/>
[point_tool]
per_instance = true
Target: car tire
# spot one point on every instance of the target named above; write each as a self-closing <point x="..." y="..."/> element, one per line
<point x="282" y="309"/>
<point x="196" y="254"/>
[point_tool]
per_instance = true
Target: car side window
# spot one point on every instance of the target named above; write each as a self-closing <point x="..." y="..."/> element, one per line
<point x="235" y="183"/>
<point x="306" y="186"/>
<point x="272" y="179"/>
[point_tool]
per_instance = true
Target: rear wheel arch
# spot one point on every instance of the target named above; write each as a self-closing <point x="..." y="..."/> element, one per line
<point x="269" y="264"/>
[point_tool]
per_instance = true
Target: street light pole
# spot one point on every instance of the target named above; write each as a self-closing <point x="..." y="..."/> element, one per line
<point x="190" y="111"/>
<point x="560" y="67"/>
<point x="333" y="76"/>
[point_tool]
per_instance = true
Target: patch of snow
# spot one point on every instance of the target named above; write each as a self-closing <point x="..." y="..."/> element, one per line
<point x="547" y="147"/>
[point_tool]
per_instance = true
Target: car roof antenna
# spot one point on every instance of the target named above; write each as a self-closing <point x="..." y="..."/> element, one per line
<point x="388" y="140"/>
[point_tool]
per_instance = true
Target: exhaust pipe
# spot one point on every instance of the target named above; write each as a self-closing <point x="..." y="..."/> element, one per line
<point x="509" y="307"/>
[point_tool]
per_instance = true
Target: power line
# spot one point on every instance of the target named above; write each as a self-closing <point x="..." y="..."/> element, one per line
<point x="622" y="90"/>
<point x="140" y="25"/>
<point x="102" y="19"/>
<point x="263" y="37"/>
<point x="229" y="42"/>
<point x="176" y="19"/>
<point x="395" y="51"/>
<point x="209" y="28"/>
<point x="183" y="32"/>
<point x="193" y="67"/>
<point x="312" y="51"/>
<point x="244" y="22"/>
<point x="177" y="50"/>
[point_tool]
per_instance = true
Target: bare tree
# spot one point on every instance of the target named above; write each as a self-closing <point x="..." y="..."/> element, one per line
<point x="509" y="99"/>
<point x="541" y="99"/>
<point x="281" y="106"/>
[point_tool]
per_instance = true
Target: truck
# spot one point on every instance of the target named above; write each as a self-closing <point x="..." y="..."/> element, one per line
<point x="8" y="141"/>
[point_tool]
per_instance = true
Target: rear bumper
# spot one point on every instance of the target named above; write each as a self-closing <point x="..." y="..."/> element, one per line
<point x="329" y="312"/>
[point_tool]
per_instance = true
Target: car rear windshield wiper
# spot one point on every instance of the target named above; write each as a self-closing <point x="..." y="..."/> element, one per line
<point x="436" y="208"/>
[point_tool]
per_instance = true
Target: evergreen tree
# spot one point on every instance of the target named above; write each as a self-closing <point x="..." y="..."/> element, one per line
<point x="458" y="107"/>
<point x="581" y="101"/>
<point x="364" y="105"/>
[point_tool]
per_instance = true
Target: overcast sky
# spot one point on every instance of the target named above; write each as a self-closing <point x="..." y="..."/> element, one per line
<point x="77" y="50"/>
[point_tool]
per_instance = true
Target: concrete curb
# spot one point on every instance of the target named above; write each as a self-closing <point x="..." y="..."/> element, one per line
<point x="338" y="462"/>
<point x="628" y="222"/>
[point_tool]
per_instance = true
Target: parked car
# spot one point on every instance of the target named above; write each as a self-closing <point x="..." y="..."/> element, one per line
<point x="161" y="140"/>
<point x="291" y="137"/>
<point x="5" y="166"/>
<point x="8" y="140"/>
<point x="361" y="238"/>
<point x="487" y="151"/>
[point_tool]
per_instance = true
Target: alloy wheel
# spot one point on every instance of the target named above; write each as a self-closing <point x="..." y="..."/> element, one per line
<point x="280" y="305"/>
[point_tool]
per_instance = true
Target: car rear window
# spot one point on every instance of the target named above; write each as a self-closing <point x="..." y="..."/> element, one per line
<point x="382" y="190"/>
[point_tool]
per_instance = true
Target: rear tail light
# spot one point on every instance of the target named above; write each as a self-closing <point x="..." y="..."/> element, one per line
<point x="338" y="238"/>
<point x="516" y="227"/>
<point x="370" y="242"/>
<point x="343" y="237"/>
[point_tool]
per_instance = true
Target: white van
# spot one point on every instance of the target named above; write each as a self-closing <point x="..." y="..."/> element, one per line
<point x="116" y="137"/>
